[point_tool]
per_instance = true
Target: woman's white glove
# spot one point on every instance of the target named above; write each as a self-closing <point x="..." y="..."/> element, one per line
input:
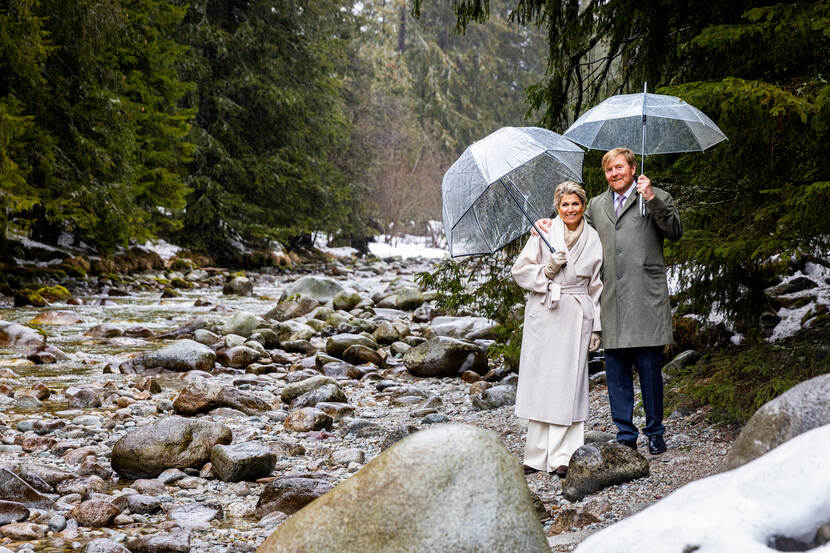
<point x="557" y="259"/>
<point x="593" y="343"/>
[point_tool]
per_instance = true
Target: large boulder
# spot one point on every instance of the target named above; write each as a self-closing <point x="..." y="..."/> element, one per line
<point x="408" y="298"/>
<point x="799" y="409"/>
<point x="442" y="356"/>
<point x="239" y="286"/>
<point x="292" y="307"/>
<point x="468" y="328"/>
<point x="599" y="465"/>
<point x="783" y="496"/>
<point x="322" y="289"/>
<point x="172" y="442"/>
<point x="447" y="488"/>
<point x="18" y="336"/>
<point x="180" y="356"/>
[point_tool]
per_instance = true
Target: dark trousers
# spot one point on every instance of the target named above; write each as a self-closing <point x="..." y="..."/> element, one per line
<point x="648" y="361"/>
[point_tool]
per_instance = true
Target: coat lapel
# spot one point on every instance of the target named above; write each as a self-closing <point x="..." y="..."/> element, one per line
<point x="607" y="203"/>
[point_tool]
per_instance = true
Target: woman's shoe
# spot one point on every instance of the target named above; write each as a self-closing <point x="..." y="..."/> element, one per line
<point x="528" y="469"/>
<point x="561" y="471"/>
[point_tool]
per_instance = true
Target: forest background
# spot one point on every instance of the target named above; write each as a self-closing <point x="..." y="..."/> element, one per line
<point x="234" y="126"/>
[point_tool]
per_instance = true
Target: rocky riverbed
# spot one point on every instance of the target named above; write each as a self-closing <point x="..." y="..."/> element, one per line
<point x="238" y="408"/>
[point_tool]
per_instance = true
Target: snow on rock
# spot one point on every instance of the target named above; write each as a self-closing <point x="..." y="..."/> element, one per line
<point x="165" y="250"/>
<point x="785" y="493"/>
<point x="406" y="246"/>
<point x="791" y="318"/>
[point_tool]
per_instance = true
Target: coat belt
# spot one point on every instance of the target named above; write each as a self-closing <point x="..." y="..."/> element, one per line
<point x="551" y="299"/>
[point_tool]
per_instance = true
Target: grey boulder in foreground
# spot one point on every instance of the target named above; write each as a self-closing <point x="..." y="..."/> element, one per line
<point x="468" y="495"/>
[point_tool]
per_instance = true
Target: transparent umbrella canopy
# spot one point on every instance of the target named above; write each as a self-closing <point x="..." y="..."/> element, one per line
<point x="646" y="124"/>
<point x="501" y="184"/>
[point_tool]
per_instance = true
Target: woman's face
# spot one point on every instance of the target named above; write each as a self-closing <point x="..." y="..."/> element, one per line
<point x="571" y="209"/>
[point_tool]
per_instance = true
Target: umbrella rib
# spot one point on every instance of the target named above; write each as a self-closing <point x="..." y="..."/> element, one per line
<point x="483" y="235"/>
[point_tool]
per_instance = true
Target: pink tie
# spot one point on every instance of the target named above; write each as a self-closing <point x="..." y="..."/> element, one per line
<point x="620" y="202"/>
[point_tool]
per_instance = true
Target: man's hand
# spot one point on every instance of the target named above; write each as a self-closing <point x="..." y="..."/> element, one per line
<point x="557" y="259"/>
<point x="644" y="188"/>
<point x="544" y="226"/>
<point x="593" y="343"/>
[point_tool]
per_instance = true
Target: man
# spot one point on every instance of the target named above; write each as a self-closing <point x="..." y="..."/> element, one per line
<point x="635" y="309"/>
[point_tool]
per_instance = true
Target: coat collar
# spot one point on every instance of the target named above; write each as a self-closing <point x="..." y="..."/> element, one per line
<point x="608" y="203"/>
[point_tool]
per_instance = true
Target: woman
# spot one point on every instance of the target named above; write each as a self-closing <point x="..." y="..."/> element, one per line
<point x="561" y="325"/>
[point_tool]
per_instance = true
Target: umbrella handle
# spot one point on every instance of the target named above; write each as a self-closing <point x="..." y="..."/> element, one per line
<point x="531" y="221"/>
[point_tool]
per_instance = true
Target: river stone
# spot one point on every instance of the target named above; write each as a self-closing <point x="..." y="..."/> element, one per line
<point x="194" y="515"/>
<point x="797" y="284"/>
<point x="138" y="502"/>
<point x="105" y="330"/>
<point x="495" y="397"/>
<point x="345" y="300"/>
<point x="21" y="531"/>
<point x="408" y="298"/>
<point x="249" y="404"/>
<point x="307" y="419"/>
<point x="322" y="289"/>
<point x="338" y="343"/>
<point x="596" y="466"/>
<point x="245" y="461"/>
<point x="324" y="393"/>
<point x="296" y="389"/>
<point x="468" y="328"/>
<point x="95" y="513"/>
<point x="18" y="336"/>
<point x="289" y="495"/>
<point x="799" y="409"/>
<point x="42" y="474"/>
<point x="238" y="357"/>
<point x="199" y="396"/>
<point x="175" y="542"/>
<point x="172" y="442"/>
<point x="105" y="545"/>
<point x="336" y="410"/>
<point x="359" y="354"/>
<point x="241" y="324"/>
<point x="384" y="509"/>
<point x="84" y="398"/>
<point x="239" y="286"/>
<point x="83" y="485"/>
<point x="57" y="318"/>
<point x="12" y="511"/>
<point x="386" y="333"/>
<point x="292" y="307"/>
<point x="180" y="356"/>
<point x="13" y="488"/>
<point x="442" y="356"/>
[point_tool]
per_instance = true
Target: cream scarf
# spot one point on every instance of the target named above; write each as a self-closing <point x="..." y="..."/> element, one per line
<point x="571" y="236"/>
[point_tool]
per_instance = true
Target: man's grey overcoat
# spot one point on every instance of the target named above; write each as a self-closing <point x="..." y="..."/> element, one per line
<point x="635" y="298"/>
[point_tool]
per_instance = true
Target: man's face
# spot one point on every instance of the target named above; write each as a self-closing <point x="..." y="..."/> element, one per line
<point x="619" y="174"/>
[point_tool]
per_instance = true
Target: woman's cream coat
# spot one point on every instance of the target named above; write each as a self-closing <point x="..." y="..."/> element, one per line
<point x="559" y="317"/>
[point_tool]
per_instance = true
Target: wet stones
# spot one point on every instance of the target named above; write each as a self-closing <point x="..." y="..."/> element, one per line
<point x="199" y="396"/>
<point x="468" y="328"/>
<point x="292" y="307"/>
<point x="408" y="298"/>
<point x="289" y="495"/>
<point x="599" y="465"/>
<point x="172" y="442"/>
<point x="296" y="389"/>
<point x="245" y="461"/>
<point x="241" y="324"/>
<point x="57" y="318"/>
<point x="175" y="542"/>
<point x="195" y="515"/>
<point x="21" y="531"/>
<point x="238" y="357"/>
<point x="105" y="545"/>
<point x="442" y="356"/>
<point x="321" y="289"/>
<point x="336" y="345"/>
<point x="239" y="286"/>
<point x="18" y="336"/>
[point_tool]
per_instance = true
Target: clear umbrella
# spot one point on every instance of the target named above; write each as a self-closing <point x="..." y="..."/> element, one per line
<point x="503" y="183"/>
<point x="647" y="124"/>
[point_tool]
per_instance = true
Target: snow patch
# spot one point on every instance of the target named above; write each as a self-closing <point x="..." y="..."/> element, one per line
<point x="783" y="493"/>
<point x="164" y="249"/>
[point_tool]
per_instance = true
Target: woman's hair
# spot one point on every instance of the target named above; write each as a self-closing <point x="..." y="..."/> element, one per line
<point x="611" y="154"/>
<point x="568" y="187"/>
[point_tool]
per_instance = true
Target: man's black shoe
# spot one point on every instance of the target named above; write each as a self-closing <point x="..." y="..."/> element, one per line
<point x="629" y="443"/>
<point x="656" y="445"/>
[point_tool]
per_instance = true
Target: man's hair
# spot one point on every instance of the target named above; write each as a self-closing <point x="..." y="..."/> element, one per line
<point x="568" y="187"/>
<point x="611" y="154"/>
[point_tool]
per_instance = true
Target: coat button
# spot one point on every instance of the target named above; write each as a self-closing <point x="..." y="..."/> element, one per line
<point x="619" y="277"/>
<point x="618" y="251"/>
<point x="617" y="227"/>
